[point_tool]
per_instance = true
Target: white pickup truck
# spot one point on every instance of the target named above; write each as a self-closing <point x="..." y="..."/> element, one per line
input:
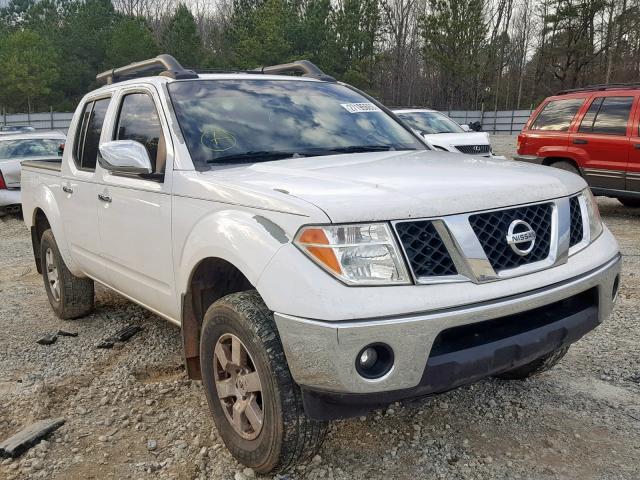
<point x="320" y="260"/>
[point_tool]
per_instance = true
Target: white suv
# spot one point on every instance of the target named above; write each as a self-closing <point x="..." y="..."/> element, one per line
<point x="442" y="133"/>
<point x="319" y="259"/>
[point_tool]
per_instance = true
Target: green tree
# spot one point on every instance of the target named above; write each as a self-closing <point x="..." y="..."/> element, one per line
<point x="181" y="38"/>
<point x="28" y="68"/>
<point x="131" y="40"/>
<point x="263" y="32"/>
<point x="572" y="47"/>
<point x="85" y="29"/>
<point x="357" y="26"/>
<point x="315" y="38"/>
<point x="454" y="34"/>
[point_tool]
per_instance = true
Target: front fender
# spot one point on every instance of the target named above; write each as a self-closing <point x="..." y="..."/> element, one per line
<point x="246" y="239"/>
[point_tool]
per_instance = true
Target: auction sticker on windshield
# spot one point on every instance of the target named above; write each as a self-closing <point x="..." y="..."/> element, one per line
<point x="360" y="107"/>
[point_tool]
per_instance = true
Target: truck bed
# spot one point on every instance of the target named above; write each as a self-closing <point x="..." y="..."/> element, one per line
<point x="53" y="164"/>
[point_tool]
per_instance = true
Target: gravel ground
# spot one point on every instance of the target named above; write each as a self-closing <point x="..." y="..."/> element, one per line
<point x="132" y="413"/>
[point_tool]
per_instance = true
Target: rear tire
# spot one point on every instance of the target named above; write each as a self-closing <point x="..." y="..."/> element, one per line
<point x="69" y="296"/>
<point x="272" y="432"/>
<point x="567" y="166"/>
<point x="536" y="367"/>
<point x="629" y="202"/>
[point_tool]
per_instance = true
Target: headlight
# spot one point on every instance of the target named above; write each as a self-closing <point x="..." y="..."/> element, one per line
<point x="360" y="254"/>
<point x="595" y="222"/>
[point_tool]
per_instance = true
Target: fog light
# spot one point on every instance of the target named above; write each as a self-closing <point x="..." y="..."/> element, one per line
<point x="374" y="361"/>
<point x="368" y="358"/>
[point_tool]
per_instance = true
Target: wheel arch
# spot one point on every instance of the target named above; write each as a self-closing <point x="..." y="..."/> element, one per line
<point x="224" y="252"/>
<point x="39" y="224"/>
<point x="211" y="279"/>
<point x="45" y="211"/>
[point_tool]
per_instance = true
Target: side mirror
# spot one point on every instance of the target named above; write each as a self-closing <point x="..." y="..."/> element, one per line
<point x="466" y="127"/>
<point x="125" y="156"/>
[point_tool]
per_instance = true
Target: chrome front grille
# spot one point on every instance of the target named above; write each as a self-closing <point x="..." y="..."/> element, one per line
<point x="475" y="246"/>
<point x="425" y="250"/>
<point x="492" y="228"/>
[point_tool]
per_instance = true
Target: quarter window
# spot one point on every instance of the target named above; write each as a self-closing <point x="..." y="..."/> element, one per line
<point x="607" y="115"/>
<point x="139" y="121"/>
<point x="88" y="136"/>
<point x="557" y="115"/>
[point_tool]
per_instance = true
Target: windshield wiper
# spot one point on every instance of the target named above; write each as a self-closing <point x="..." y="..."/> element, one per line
<point x="253" y="156"/>
<point x="265" y="156"/>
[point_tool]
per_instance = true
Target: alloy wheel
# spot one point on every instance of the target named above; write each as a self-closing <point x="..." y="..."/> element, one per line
<point x="53" y="277"/>
<point x="238" y="386"/>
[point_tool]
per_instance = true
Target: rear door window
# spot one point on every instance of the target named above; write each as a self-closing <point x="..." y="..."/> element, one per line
<point x="608" y="116"/>
<point x="557" y="115"/>
<point x="88" y="137"/>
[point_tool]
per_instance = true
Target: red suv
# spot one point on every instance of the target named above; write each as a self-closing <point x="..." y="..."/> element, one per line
<point x="593" y="132"/>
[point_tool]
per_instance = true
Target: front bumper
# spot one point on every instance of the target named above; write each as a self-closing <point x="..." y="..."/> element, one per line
<point x="321" y="355"/>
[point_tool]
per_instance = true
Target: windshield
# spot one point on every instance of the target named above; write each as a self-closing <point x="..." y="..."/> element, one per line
<point x="227" y="121"/>
<point x="30" y="147"/>
<point x="430" y="122"/>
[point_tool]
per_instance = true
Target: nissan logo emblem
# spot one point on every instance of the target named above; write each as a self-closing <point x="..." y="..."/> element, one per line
<point x="521" y="237"/>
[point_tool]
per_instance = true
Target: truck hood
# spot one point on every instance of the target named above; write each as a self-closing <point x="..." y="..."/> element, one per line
<point x="453" y="139"/>
<point x="400" y="185"/>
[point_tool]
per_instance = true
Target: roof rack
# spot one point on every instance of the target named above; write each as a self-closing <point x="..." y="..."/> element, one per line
<point x="600" y="87"/>
<point x="305" y="67"/>
<point x="165" y="64"/>
<point x="170" y="67"/>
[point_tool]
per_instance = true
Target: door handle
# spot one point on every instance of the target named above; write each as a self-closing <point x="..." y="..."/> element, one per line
<point x="636" y="146"/>
<point x="580" y="141"/>
<point x="104" y="198"/>
<point x="67" y="189"/>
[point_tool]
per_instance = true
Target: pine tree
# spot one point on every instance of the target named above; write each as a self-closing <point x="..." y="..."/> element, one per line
<point x="181" y="38"/>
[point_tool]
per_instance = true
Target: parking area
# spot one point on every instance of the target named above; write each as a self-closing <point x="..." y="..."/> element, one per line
<point x="130" y="411"/>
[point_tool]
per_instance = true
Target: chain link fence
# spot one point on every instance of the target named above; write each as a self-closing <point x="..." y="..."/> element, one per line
<point x="40" y="121"/>
<point x="500" y="122"/>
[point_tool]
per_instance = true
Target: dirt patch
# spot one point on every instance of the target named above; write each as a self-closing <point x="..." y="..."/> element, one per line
<point x="159" y="374"/>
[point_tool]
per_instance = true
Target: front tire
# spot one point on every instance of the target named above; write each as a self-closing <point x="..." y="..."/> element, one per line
<point x="70" y="296"/>
<point x="539" y="365"/>
<point x="629" y="202"/>
<point x="256" y="405"/>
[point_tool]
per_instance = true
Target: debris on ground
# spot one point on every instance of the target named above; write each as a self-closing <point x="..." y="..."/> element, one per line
<point x="64" y="333"/>
<point x="120" y="336"/>
<point x="26" y="438"/>
<point x="48" y="339"/>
